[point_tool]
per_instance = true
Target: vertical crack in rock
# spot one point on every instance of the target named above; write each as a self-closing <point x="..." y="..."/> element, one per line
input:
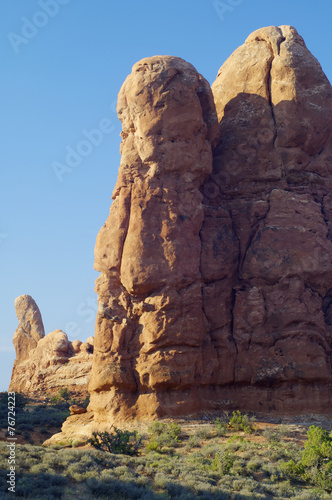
<point x="326" y="219"/>
<point x="269" y="90"/>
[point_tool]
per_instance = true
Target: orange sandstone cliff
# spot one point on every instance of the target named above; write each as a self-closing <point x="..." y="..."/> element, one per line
<point x="216" y="259"/>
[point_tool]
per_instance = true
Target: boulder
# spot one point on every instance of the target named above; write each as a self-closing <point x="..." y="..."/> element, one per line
<point x="76" y="410"/>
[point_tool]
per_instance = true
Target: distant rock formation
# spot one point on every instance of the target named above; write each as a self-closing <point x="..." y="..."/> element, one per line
<point x="216" y="260"/>
<point x="46" y="363"/>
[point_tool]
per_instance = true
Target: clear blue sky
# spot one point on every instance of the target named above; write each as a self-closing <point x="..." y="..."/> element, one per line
<point x="62" y="68"/>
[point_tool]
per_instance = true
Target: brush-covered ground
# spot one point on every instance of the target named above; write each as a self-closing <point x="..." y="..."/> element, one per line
<point x="230" y="457"/>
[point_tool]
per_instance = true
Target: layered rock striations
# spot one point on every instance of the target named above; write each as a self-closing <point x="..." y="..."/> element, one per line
<point x="216" y="259"/>
<point x="45" y="363"/>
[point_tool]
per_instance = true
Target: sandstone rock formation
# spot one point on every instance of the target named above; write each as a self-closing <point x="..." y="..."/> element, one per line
<point x="45" y="363"/>
<point x="30" y="329"/>
<point x="216" y="259"/>
<point x="76" y="410"/>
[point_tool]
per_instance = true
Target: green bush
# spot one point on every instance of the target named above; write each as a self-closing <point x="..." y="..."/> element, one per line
<point x="239" y="422"/>
<point x="20" y="402"/>
<point x="41" y="486"/>
<point x="193" y="442"/>
<point x="222" y="462"/>
<point x="203" y="434"/>
<point x="163" y="435"/>
<point x="118" y="441"/>
<point x="219" y="427"/>
<point x="64" y="393"/>
<point x="62" y="397"/>
<point x="315" y="465"/>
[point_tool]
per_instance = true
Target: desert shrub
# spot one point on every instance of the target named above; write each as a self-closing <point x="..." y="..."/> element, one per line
<point x="239" y="468"/>
<point x="25" y="427"/>
<point x="222" y="462"/>
<point x="161" y="480"/>
<point x="174" y="489"/>
<point x="254" y="464"/>
<point x="41" y="486"/>
<point x="235" y="443"/>
<point x="153" y="446"/>
<point x="315" y="465"/>
<point x="117" y="441"/>
<point x="27" y="436"/>
<point x="239" y="422"/>
<point x="193" y="442"/>
<point x="98" y="487"/>
<point x="163" y="435"/>
<point x="219" y="427"/>
<point x="209" y="450"/>
<point x="86" y="402"/>
<point x="203" y="434"/>
<point x="284" y="430"/>
<point x="271" y="436"/>
<point x="40" y="416"/>
<point x="20" y="402"/>
<point x="119" y="490"/>
<point x="64" y="393"/>
<point x="285" y="489"/>
<point x="76" y="442"/>
<point x="239" y="484"/>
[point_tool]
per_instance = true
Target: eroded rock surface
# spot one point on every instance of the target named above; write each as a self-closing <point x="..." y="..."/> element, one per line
<point x="45" y="363"/>
<point x="216" y="269"/>
<point x="151" y="331"/>
<point x="272" y="174"/>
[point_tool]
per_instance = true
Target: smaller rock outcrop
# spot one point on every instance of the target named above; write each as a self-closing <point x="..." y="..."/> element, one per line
<point x="45" y="363"/>
<point x="30" y="329"/>
<point x="76" y="410"/>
